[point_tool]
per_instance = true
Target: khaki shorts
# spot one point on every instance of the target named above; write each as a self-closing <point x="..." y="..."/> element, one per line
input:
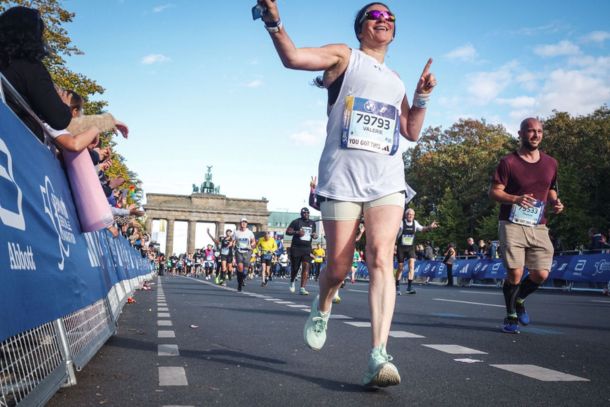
<point x="344" y="210"/>
<point x="528" y="246"/>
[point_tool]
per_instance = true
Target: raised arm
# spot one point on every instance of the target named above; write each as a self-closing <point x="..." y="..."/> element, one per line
<point x="412" y="118"/>
<point x="307" y="59"/>
<point x="216" y="241"/>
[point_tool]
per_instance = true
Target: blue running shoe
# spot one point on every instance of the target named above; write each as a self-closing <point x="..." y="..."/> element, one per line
<point x="524" y="318"/>
<point x="510" y="326"/>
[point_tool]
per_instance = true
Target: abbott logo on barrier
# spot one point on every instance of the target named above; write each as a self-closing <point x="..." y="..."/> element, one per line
<point x="12" y="218"/>
<point x="55" y="207"/>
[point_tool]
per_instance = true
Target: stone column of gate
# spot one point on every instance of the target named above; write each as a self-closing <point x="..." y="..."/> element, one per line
<point x="190" y="243"/>
<point x="148" y="224"/>
<point x="220" y="229"/>
<point x="169" y="238"/>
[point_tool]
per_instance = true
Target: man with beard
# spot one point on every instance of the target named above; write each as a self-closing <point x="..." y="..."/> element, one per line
<point x="303" y="231"/>
<point x="524" y="183"/>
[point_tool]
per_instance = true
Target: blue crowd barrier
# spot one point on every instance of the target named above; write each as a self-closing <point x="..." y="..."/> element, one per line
<point x="48" y="267"/>
<point x="589" y="268"/>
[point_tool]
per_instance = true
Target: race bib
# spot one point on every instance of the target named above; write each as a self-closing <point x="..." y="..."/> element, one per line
<point x="370" y="125"/>
<point x="307" y="235"/>
<point x="224" y="251"/>
<point x="527" y="216"/>
<point x="244" y="243"/>
<point x="407" y="240"/>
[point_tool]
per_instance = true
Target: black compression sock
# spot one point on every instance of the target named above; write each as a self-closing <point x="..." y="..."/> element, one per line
<point x="409" y="282"/>
<point x="510" y="297"/>
<point x="527" y="287"/>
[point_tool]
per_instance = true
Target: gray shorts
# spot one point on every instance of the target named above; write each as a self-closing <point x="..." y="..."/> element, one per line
<point x="528" y="246"/>
<point x="243" y="257"/>
<point x="343" y="210"/>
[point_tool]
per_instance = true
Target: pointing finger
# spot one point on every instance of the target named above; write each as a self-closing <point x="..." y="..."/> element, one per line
<point x="427" y="67"/>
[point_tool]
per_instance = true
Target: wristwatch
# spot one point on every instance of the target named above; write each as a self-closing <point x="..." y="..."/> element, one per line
<point x="273" y="26"/>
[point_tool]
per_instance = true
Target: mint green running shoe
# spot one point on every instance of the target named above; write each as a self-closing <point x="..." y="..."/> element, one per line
<point x="381" y="371"/>
<point x="314" y="331"/>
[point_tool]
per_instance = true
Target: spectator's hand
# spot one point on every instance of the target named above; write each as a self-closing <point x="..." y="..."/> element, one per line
<point x="557" y="206"/>
<point x="136" y="212"/>
<point x="314" y="236"/>
<point x="434" y="225"/>
<point x="427" y="80"/>
<point x="526" y="200"/>
<point x="122" y="127"/>
<point x="114" y="231"/>
<point x="105" y="165"/>
<point x="313" y="183"/>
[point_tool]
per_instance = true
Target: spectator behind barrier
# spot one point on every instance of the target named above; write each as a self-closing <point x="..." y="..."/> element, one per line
<point x="471" y="249"/>
<point x="66" y="140"/>
<point x="22" y="49"/>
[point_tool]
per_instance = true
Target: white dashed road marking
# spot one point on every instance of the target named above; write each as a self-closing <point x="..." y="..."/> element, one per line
<point x="339" y="316"/>
<point x="164" y="323"/>
<point x="172" y="376"/>
<point x="541" y="373"/>
<point x="456" y="349"/>
<point x="163" y="315"/>
<point x="167" y="350"/>
<point x="166" y="334"/>
<point x="298" y="306"/>
<point x="359" y="324"/>
<point x="404" y="334"/>
<point x="471" y="303"/>
<point x="479" y="292"/>
<point x="468" y="360"/>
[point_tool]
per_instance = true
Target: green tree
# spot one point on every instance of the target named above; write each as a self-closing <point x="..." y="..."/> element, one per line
<point x="581" y="145"/>
<point x="487" y="228"/>
<point x="450" y="217"/>
<point x="462" y="159"/>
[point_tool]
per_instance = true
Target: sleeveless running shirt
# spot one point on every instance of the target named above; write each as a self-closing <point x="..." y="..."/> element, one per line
<point x="362" y="158"/>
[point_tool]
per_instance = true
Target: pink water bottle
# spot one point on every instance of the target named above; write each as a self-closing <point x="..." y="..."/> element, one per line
<point x="91" y="203"/>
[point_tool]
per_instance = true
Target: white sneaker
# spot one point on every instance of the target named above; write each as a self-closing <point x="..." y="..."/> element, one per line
<point x="292" y="289"/>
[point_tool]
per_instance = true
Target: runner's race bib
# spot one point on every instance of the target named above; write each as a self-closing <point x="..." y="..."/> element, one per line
<point x="307" y="235"/>
<point x="243" y="244"/>
<point x="407" y="240"/>
<point x="224" y="251"/>
<point x="527" y="216"/>
<point x="370" y="125"/>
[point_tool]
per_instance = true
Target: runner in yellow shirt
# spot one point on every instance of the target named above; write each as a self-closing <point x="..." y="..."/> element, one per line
<point x="266" y="246"/>
<point x="318" y="255"/>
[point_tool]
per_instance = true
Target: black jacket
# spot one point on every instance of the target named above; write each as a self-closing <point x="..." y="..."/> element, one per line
<point x="34" y="84"/>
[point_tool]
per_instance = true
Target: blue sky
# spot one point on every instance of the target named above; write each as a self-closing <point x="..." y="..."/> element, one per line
<point x="199" y="83"/>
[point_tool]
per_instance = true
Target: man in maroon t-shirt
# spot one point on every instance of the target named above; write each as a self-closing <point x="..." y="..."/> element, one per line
<point x="524" y="183"/>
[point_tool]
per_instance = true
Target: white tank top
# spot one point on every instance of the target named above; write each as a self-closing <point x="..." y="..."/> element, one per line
<point x="355" y="174"/>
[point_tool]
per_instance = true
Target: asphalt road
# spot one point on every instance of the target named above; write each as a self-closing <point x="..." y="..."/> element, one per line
<point x="242" y="349"/>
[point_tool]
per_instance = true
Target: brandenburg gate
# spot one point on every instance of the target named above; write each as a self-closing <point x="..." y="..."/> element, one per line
<point x="205" y="204"/>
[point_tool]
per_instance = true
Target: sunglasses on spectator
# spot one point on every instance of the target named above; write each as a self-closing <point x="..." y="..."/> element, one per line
<point x="377" y="14"/>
